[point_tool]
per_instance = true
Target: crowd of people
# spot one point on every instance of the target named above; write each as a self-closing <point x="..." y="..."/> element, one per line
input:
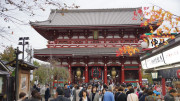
<point x="35" y="94"/>
<point x="99" y="92"/>
<point x="123" y="92"/>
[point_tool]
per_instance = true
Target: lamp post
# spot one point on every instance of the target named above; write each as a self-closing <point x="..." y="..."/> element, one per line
<point x="23" y="43"/>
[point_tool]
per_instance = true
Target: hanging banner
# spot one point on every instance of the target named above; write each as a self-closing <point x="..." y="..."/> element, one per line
<point x="156" y="42"/>
<point x="155" y="61"/>
<point x="172" y="55"/>
<point x="143" y="64"/>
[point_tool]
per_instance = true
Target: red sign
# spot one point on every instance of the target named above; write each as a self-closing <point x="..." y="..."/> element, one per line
<point x="178" y="73"/>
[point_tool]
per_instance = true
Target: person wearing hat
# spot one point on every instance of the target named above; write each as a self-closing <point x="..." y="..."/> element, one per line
<point x="59" y="95"/>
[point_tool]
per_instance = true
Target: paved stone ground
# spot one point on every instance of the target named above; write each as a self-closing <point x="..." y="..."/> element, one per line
<point x="177" y="99"/>
<point x="49" y="99"/>
<point x="52" y="98"/>
<point x="71" y="99"/>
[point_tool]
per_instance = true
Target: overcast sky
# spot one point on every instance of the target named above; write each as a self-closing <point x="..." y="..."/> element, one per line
<point x="38" y="42"/>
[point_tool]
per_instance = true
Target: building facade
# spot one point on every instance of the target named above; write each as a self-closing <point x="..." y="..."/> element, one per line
<point x="86" y="40"/>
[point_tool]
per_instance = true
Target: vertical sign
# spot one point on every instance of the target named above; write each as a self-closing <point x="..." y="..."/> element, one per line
<point x="95" y="34"/>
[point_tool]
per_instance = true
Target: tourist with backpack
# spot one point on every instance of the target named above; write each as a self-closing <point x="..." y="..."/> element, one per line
<point x="121" y="95"/>
<point x="150" y="96"/>
<point x="143" y="96"/>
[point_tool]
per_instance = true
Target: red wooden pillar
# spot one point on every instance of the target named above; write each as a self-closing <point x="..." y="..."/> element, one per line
<point x="140" y="76"/>
<point x="163" y="86"/>
<point x="105" y="73"/>
<point x="122" y="74"/>
<point x="69" y="69"/>
<point x="86" y="74"/>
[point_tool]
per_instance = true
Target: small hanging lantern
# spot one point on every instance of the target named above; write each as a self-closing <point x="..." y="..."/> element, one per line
<point x="78" y="73"/>
<point x="113" y="73"/>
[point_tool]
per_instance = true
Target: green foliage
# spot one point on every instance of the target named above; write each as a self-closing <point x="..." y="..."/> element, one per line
<point x="61" y="73"/>
<point x="42" y="74"/>
<point x="45" y="74"/>
<point x="147" y="76"/>
<point x="13" y="73"/>
<point x="36" y="63"/>
<point x="8" y="54"/>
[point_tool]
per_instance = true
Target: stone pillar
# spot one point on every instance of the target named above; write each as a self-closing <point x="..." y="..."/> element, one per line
<point x="122" y="74"/>
<point x="86" y="74"/>
<point x="105" y="73"/>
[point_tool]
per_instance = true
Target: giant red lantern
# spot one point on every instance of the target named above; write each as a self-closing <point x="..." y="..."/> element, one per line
<point x="178" y="73"/>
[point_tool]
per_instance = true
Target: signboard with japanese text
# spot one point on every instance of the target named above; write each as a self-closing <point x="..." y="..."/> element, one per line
<point x="95" y="34"/>
<point x="155" y="61"/>
<point x="154" y="39"/>
<point x="143" y="64"/>
<point x="156" y="42"/>
<point x="172" y="55"/>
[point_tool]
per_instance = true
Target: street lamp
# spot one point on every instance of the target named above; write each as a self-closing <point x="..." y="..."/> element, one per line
<point x="23" y="43"/>
<point x="17" y="52"/>
<point x="154" y="75"/>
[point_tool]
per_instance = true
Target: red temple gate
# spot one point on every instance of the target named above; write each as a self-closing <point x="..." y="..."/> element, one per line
<point x="85" y="41"/>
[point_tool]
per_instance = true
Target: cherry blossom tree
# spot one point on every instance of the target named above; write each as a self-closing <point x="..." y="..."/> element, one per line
<point x="11" y="12"/>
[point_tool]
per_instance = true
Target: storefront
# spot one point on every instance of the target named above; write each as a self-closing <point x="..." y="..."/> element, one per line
<point x="4" y="83"/>
<point x="163" y="62"/>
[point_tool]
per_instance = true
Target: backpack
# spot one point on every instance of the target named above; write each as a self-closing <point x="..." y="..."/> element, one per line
<point x="142" y="98"/>
<point x="150" y="98"/>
